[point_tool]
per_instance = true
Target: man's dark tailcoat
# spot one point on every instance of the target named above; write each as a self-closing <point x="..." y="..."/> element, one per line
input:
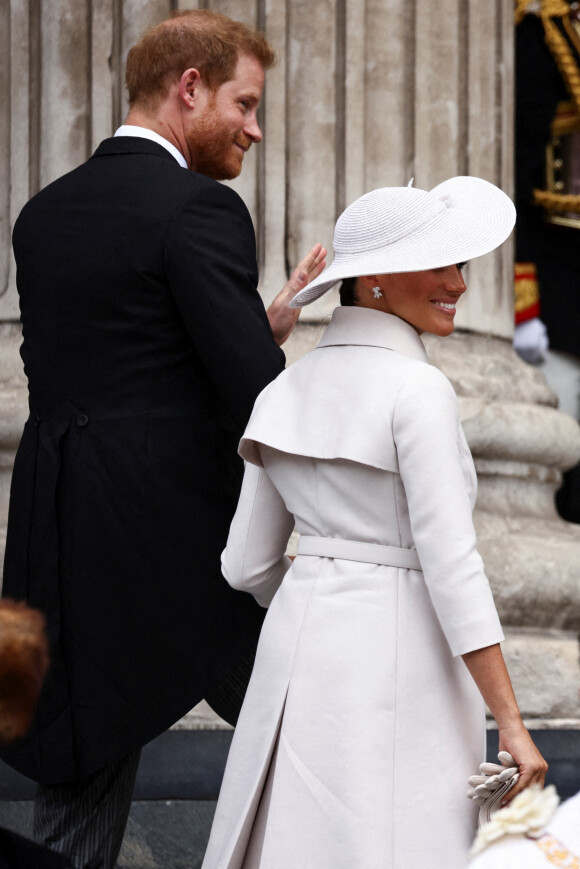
<point x="145" y="345"/>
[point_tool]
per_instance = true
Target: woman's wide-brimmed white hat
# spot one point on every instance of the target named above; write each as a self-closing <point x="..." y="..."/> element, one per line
<point x="405" y="229"/>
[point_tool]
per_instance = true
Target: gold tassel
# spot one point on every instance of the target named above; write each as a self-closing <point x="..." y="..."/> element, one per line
<point x="560" y="48"/>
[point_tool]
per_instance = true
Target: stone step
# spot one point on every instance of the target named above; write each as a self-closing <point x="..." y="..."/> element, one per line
<point x="179" y="779"/>
<point x="189" y="764"/>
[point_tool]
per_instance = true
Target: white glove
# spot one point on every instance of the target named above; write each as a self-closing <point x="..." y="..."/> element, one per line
<point x="489" y="788"/>
<point x="531" y="340"/>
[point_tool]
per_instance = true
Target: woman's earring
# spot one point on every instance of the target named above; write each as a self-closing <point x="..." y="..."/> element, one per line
<point x="377" y="292"/>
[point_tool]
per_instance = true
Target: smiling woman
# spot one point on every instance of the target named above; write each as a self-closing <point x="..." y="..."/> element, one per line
<point x="403" y="232"/>
<point x="363" y="675"/>
<point x="426" y="300"/>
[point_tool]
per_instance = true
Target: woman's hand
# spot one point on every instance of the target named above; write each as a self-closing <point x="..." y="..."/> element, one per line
<point x="491" y="677"/>
<point x="283" y="318"/>
<point x="517" y="741"/>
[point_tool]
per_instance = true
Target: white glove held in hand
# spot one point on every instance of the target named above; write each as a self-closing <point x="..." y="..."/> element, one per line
<point x="489" y="788"/>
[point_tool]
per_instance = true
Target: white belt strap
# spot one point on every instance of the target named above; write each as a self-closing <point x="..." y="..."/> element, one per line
<point x="353" y="550"/>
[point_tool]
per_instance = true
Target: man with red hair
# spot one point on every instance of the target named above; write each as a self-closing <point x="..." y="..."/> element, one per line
<point x="145" y="345"/>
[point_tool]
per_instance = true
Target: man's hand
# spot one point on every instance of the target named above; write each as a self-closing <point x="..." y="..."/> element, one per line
<point x="283" y="318"/>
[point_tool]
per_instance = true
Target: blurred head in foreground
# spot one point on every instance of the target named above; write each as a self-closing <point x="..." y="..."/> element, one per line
<point x="23" y="665"/>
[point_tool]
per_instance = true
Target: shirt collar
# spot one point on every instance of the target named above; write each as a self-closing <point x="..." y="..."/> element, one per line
<point x="354" y="325"/>
<point x="145" y="133"/>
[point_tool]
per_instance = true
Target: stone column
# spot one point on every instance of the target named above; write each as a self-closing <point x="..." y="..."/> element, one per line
<point x="366" y="93"/>
<point x="431" y="96"/>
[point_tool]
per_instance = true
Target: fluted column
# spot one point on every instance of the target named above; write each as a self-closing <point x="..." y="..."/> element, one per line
<point x="429" y="96"/>
<point x="366" y="93"/>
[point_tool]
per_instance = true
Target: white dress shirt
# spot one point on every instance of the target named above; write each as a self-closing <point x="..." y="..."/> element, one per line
<point x="145" y="133"/>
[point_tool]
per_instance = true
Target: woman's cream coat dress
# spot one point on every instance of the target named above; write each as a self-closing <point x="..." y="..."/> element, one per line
<point x="361" y="723"/>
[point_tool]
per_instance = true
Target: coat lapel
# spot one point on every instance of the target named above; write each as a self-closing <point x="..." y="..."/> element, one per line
<point x="369" y="328"/>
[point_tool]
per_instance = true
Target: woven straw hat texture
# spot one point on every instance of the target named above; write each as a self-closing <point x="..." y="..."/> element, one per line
<point x="405" y="229"/>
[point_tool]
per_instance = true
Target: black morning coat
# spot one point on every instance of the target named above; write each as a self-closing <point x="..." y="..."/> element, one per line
<point x="145" y="343"/>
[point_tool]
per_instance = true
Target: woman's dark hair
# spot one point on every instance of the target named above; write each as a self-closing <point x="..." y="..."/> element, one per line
<point x="348" y="297"/>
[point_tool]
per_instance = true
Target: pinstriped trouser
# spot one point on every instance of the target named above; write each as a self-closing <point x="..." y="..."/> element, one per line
<point x="87" y="820"/>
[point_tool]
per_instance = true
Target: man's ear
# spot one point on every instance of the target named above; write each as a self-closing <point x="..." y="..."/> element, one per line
<point x="189" y="86"/>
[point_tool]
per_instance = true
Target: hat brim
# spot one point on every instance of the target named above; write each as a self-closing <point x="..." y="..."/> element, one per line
<point x="478" y="218"/>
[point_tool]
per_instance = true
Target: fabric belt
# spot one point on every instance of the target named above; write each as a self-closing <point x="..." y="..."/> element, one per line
<point x="354" y="550"/>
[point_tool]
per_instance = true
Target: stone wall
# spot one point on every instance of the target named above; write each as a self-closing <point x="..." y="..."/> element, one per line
<point x="366" y="93"/>
<point x="521" y="443"/>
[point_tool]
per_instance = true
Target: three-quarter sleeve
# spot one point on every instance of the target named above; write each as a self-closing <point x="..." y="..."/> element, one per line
<point x="254" y="559"/>
<point x="434" y="467"/>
